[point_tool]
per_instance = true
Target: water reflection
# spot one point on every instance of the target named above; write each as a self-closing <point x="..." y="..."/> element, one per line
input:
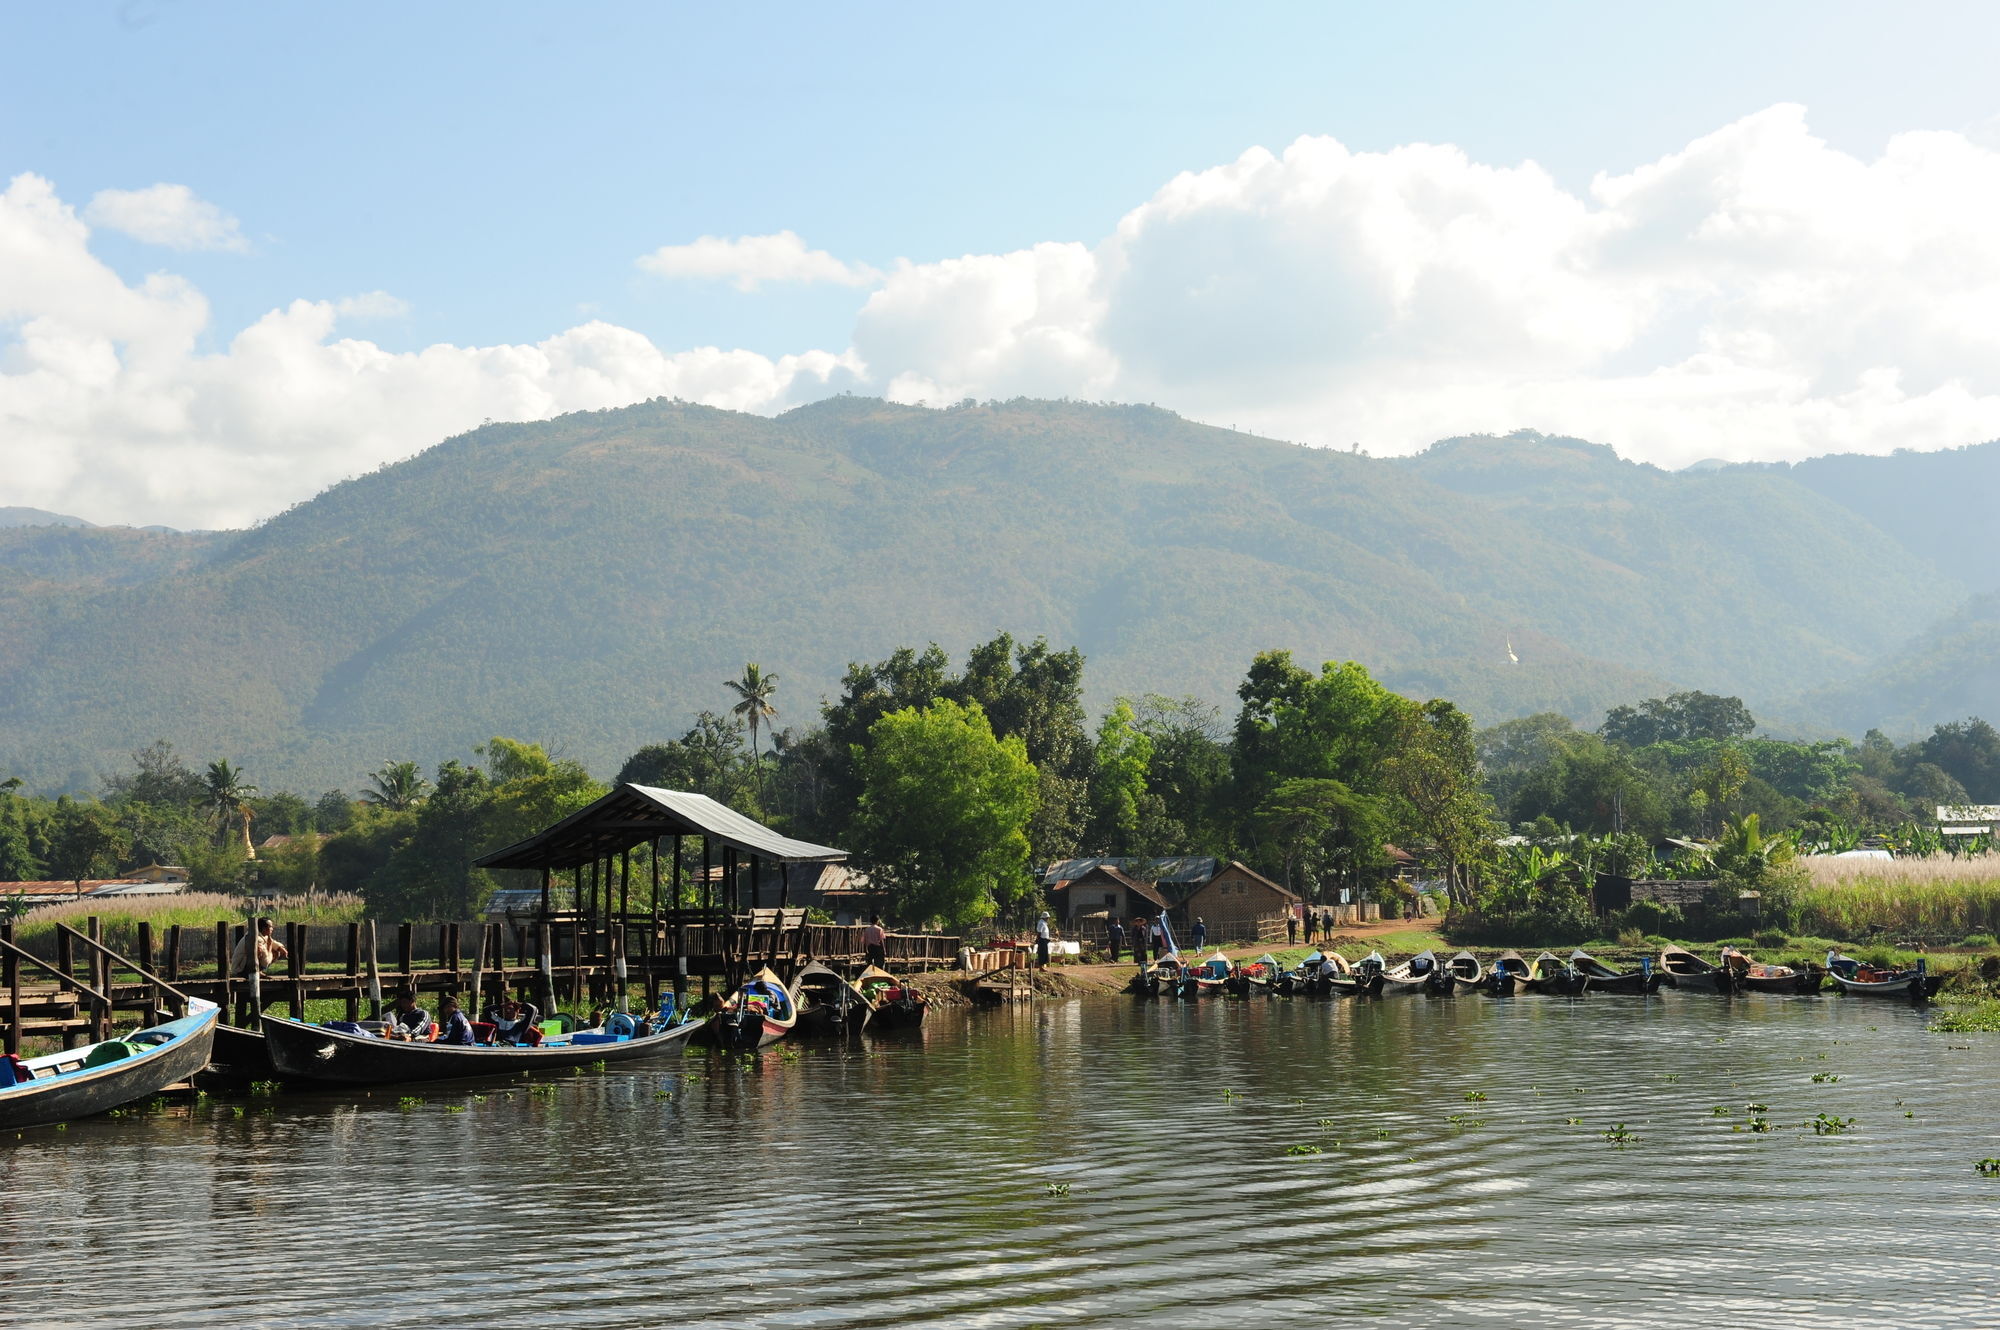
<point x="908" y="1181"/>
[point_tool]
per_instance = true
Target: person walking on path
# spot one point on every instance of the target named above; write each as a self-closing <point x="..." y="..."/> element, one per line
<point x="1114" y="938"/>
<point x="256" y="947"/>
<point x="1200" y="933"/>
<point x="875" y="942"/>
<point x="1042" y="941"/>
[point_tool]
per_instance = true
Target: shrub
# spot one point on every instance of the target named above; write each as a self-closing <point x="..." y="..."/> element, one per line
<point x="1979" y="942"/>
<point x="1771" y="939"/>
<point x="1651" y="917"/>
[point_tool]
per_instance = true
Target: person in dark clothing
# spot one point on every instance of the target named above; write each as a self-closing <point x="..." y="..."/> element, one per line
<point x="452" y="1027"/>
<point x="875" y="942"/>
<point x="1200" y="933"/>
<point x="1114" y="937"/>
<point x="407" y="1020"/>
<point x="1291" y="928"/>
<point x="1042" y="941"/>
<point x="1139" y="941"/>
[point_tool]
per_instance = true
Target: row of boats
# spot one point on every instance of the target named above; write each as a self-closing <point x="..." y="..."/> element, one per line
<point x="96" y="1078"/>
<point x="1329" y="974"/>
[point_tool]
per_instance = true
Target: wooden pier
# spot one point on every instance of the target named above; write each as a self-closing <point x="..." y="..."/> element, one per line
<point x="75" y="987"/>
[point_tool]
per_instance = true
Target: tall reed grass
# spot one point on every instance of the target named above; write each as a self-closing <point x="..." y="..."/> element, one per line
<point x="194" y="911"/>
<point x="1936" y="896"/>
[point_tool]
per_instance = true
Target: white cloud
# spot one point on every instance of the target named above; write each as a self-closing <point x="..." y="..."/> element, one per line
<point x="1755" y="294"/>
<point x="749" y="261"/>
<point x="169" y="215"/>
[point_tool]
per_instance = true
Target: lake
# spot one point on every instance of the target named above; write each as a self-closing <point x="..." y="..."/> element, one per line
<point x="1094" y="1162"/>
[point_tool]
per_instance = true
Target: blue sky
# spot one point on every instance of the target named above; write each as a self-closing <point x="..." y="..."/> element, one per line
<point x="499" y="169"/>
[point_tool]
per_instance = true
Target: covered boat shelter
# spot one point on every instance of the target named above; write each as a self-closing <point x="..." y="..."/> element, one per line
<point x="595" y="845"/>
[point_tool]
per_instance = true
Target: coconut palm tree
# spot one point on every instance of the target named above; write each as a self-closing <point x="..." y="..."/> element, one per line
<point x="753" y="692"/>
<point x="397" y="786"/>
<point x="226" y="795"/>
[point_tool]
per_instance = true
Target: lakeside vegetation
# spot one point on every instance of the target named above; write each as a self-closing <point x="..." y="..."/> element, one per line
<point x="951" y="784"/>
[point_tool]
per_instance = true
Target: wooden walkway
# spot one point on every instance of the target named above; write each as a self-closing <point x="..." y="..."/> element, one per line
<point x="75" y="991"/>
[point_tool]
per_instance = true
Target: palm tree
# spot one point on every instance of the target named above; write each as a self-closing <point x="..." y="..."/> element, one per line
<point x="753" y="692"/>
<point x="226" y="794"/>
<point x="398" y="786"/>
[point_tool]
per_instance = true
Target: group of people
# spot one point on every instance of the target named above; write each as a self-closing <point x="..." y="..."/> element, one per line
<point x="1154" y="934"/>
<point x="1317" y="926"/>
<point x="506" y="1021"/>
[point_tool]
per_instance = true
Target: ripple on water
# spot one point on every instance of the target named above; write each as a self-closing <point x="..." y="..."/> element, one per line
<point x="1462" y="1170"/>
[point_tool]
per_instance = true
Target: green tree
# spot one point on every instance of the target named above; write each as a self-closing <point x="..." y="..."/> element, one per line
<point x="709" y="759"/>
<point x="1678" y="717"/>
<point x="1186" y="809"/>
<point x="1124" y="754"/>
<point x="83" y="840"/>
<point x="158" y="777"/>
<point x="944" y="812"/>
<point x="1434" y="775"/>
<point x="753" y="704"/>
<point x="225" y="794"/>
<point x="1317" y="833"/>
<point x="395" y="786"/>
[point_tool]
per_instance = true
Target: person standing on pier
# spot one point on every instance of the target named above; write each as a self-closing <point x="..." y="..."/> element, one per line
<point x="256" y="947"/>
<point x="1114" y="936"/>
<point x="1042" y="941"/>
<point x="875" y="942"/>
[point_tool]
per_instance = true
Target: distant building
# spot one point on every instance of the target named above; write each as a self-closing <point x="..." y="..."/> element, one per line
<point x="50" y="891"/>
<point x="1229" y="897"/>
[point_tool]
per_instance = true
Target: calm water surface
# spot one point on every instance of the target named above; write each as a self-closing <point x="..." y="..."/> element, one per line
<point x="906" y="1182"/>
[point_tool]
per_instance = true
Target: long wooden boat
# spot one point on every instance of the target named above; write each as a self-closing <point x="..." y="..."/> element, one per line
<point x="1549" y="973"/>
<point x="97" y="1078"/>
<point x="1687" y="971"/>
<point x="1364" y="978"/>
<point x="896" y="1006"/>
<point x="1145" y="983"/>
<point x="1594" y="976"/>
<point x="828" y="1004"/>
<point x="1507" y="974"/>
<point x="1917" y="984"/>
<point x="1257" y="977"/>
<point x="761" y="1012"/>
<point x="1411" y="976"/>
<point x="355" y="1057"/>
<point x="1460" y="974"/>
<point x="1758" y="977"/>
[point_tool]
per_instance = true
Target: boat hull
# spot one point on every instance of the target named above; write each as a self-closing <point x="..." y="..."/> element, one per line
<point x="335" y="1057"/>
<point x="94" y="1090"/>
<point x="1911" y="988"/>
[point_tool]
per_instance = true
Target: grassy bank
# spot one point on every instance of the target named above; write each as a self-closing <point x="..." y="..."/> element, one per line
<point x="194" y="911"/>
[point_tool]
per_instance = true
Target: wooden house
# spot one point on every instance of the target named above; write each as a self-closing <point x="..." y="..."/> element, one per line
<point x="1233" y="901"/>
<point x="1102" y="893"/>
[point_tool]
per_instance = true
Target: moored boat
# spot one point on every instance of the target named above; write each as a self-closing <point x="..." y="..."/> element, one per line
<point x="1411" y="976"/>
<point x="1685" y="970"/>
<point x="896" y="1006"/>
<point x="828" y="1004"/>
<point x="1507" y="975"/>
<point x="1594" y="976"/>
<point x="1361" y="979"/>
<point x="1917" y="984"/>
<point x="1759" y="977"/>
<point x="344" y="1053"/>
<point x="1460" y="974"/>
<point x="761" y="1012"/>
<point x="97" y="1078"/>
<point x="1550" y="973"/>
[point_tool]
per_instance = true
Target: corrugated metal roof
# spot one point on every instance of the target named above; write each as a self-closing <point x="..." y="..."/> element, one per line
<point x="635" y="814"/>
<point x="1178" y="871"/>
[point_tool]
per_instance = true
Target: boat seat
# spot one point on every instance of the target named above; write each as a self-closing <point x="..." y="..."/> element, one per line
<point x="111" y="1050"/>
<point x="150" y="1038"/>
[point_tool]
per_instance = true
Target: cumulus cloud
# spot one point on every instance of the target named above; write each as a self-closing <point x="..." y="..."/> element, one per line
<point x="749" y="261"/>
<point x="1756" y="294"/>
<point x="108" y="407"/>
<point x="169" y="215"/>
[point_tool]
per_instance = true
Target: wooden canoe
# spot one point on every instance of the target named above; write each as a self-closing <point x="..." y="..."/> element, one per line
<point x="1758" y="977"/>
<point x="1461" y="974"/>
<point x="97" y="1078"/>
<point x="1689" y="972"/>
<point x="346" y="1057"/>
<point x="1364" y="978"/>
<point x="761" y="1012"/>
<point x="1411" y="976"/>
<point x="1549" y="973"/>
<point x="828" y="1004"/>
<point x="1507" y="974"/>
<point x="1594" y="976"/>
<point x="896" y="1005"/>
<point x="1915" y="985"/>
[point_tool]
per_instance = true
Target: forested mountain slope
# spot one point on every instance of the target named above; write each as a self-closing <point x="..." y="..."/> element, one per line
<point x="590" y="580"/>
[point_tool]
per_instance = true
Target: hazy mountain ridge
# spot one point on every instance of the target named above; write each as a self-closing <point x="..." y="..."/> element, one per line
<point x="589" y="580"/>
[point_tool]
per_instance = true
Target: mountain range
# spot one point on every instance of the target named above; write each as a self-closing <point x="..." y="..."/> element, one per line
<point x="589" y="581"/>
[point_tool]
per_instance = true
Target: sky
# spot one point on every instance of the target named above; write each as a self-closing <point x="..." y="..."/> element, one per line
<point x="247" y="250"/>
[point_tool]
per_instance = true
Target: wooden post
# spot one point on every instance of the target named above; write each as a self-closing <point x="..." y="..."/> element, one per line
<point x="677" y="870"/>
<point x="374" y="977"/>
<point x="625" y="885"/>
<point x="295" y="965"/>
<point x="478" y="973"/>
<point x="406" y="956"/>
<point x="707" y="882"/>
<point x="154" y="997"/>
<point x="545" y="891"/>
<point x="546" y="963"/>
<point x="448" y="951"/>
<point x="222" y="966"/>
<point x="11" y="967"/>
<point x="100" y="976"/>
<point x="576" y="888"/>
<point x="499" y="955"/>
<point x="576" y="941"/>
<point x="354" y="972"/>
<point x="618" y="972"/>
<point x="174" y="954"/>
<point x="254" y="978"/>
